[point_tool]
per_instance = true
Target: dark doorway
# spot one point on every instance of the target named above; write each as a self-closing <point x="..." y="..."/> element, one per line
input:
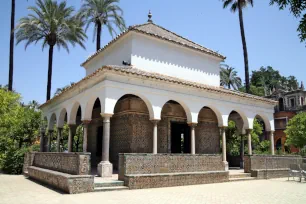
<point x="180" y="138"/>
<point x="281" y="104"/>
<point x="99" y="142"/>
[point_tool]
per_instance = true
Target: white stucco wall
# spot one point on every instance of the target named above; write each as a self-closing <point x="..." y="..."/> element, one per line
<point x="155" y="55"/>
<point x="113" y="55"/>
<point x="155" y="94"/>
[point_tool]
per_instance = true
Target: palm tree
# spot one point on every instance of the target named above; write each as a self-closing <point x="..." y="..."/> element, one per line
<point x="103" y="13"/>
<point x="60" y="90"/>
<point x="239" y="5"/>
<point x="229" y="78"/>
<point x="52" y="23"/>
<point x="11" y="62"/>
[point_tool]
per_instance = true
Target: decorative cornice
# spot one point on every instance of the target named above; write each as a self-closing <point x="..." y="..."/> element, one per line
<point x="130" y="71"/>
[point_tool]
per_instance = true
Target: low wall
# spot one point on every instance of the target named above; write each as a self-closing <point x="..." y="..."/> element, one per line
<point x="68" y="172"/>
<point x="28" y="161"/>
<point x="161" y="170"/>
<point x="70" y="163"/>
<point x="269" y="166"/>
<point x="68" y="183"/>
<point x="175" y="179"/>
<point x="255" y="162"/>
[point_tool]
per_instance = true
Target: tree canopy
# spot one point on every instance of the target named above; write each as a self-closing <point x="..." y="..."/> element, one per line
<point x="296" y="130"/>
<point x="19" y="129"/>
<point x="229" y="77"/>
<point x="298" y="9"/>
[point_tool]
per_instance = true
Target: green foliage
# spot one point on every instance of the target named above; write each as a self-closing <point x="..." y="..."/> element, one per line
<point x="263" y="147"/>
<point x="234" y="139"/>
<point x="234" y="4"/>
<point x="266" y="79"/>
<point x="78" y="139"/>
<point x="52" y="23"/>
<point x="104" y="13"/>
<point x="296" y="130"/>
<point x="13" y="160"/>
<point x="297" y="8"/>
<point x="303" y="151"/>
<point x="229" y="78"/>
<point x="19" y="126"/>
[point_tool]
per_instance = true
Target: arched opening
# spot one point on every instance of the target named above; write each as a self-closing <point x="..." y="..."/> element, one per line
<point x="51" y="134"/>
<point x="207" y="132"/>
<point x="62" y="126"/>
<point x="131" y="129"/>
<point x="235" y="140"/>
<point x="281" y="104"/>
<point x="278" y="144"/>
<point x="77" y="141"/>
<point x="173" y="130"/>
<point x="95" y="134"/>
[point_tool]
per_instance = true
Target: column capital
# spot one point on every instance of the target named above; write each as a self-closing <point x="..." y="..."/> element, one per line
<point x="248" y="131"/>
<point x="222" y="128"/>
<point x="154" y="121"/>
<point x="106" y="115"/>
<point x="192" y="124"/>
<point x="71" y="125"/>
<point x="86" y="122"/>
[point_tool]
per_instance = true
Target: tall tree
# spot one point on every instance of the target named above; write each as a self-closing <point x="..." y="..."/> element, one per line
<point x="238" y="5"/>
<point x="229" y="78"/>
<point x="103" y="13"/>
<point x="12" y="38"/>
<point x="52" y="23"/>
<point x="298" y="9"/>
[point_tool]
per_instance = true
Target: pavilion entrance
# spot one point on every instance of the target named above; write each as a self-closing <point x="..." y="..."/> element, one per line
<point x="180" y="138"/>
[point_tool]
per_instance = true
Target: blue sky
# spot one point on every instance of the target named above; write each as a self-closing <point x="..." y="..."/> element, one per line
<point x="271" y="38"/>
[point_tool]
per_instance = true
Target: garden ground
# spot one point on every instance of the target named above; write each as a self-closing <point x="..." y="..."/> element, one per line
<point x="18" y="189"/>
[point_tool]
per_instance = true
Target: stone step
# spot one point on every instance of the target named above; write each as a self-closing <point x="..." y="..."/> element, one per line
<point x="242" y="175"/>
<point x="242" y="179"/>
<point x="113" y="188"/>
<point x="109" y="183"/>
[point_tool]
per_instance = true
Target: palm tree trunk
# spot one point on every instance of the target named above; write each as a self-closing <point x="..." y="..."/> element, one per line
<point x="245" y="51"/>
<point x="50" y="72"/>
<point x="99" y="29"/>
<point x="11" y="63"/>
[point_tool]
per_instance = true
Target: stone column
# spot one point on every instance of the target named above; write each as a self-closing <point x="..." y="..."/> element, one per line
<point x="49" y="140"/>
<point x="222" y="130"/>
<point x="249" y="141"/>
<point x="155" y="136"/>
<point x="242" y="151"/>
<point x="272" y="142"/>
<point x="72" y="128"/>
<point x="58" y="141"/>
<point x="192" y="137"/>
<point x="105" y="168"/>
<point x="42" y="138"/>
<point x="85" y="134"/>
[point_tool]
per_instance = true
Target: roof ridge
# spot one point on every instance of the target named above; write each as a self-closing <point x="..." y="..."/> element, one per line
<point x="184" y="38"/>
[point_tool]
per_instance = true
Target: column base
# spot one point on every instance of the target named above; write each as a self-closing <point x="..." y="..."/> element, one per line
<point x="105" y="169"/>
<point x="225" y="165"/>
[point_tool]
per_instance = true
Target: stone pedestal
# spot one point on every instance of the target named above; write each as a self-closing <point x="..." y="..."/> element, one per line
<point x="105" y="169"/>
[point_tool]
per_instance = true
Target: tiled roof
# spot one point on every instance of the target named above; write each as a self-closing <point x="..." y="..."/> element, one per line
<point x="128" y="70"/>
<point x="159" y="32"/>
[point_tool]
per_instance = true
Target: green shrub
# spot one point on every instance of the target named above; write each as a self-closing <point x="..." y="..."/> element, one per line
<point x="12" y="162"/>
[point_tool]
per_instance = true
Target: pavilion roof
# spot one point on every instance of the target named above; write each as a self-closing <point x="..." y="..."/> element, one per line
<point x="159" y="32"/>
